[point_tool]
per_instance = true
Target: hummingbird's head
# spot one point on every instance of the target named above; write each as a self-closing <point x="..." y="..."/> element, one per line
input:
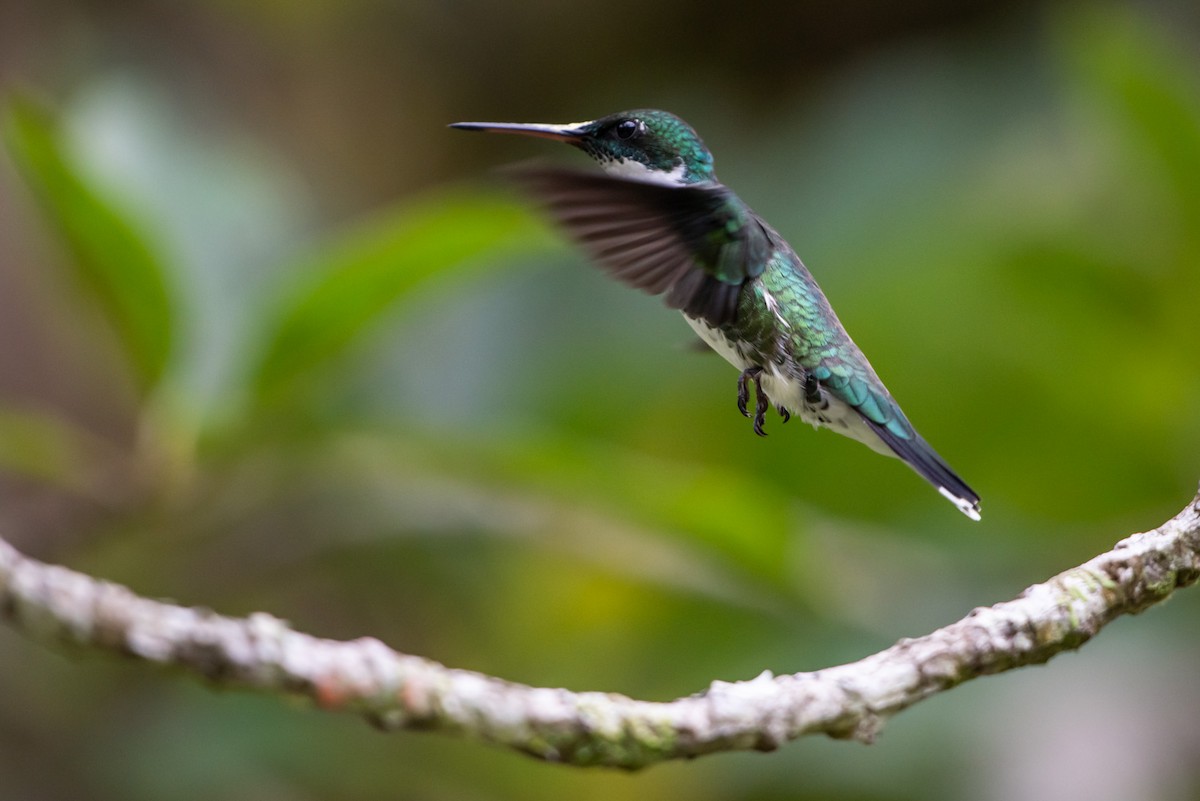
<point x="644" y="144"/>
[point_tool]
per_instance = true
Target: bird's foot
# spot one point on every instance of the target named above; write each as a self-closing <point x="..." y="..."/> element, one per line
<point x="784" y="413"/>
<point x="761" y="404"/>
<point x="748" y="375"/>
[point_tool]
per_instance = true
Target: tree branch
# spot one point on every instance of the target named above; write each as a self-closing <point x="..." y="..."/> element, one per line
<point x="397" y="691"/>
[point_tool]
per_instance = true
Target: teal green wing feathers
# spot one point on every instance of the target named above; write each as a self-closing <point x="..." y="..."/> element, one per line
<point x="821" y="347"/>
<point x="862" y="391"/>
<point x="865" y="394"/>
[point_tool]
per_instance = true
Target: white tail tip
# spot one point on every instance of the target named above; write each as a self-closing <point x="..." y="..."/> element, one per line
<point x="968" y="508"/>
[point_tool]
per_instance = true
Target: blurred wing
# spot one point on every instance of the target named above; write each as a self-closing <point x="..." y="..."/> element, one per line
<point x="697" y="244"/>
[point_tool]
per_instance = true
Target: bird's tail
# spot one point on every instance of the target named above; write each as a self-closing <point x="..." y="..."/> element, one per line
<point x="921" y="457"/>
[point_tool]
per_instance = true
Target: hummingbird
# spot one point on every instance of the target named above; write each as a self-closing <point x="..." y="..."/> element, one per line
<point x="656" y="218"/>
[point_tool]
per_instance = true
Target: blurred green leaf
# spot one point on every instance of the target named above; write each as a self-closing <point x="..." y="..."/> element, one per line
<point x="1152" y="86"/>
<point x="729" y="514"/>
<point x="110" y="257"/>
<point x="409" y="488"/>
<point x="39" y="446"/>
<point x="359" y="279"/>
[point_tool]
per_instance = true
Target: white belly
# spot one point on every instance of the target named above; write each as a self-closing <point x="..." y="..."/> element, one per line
<point x="786" y="391"/>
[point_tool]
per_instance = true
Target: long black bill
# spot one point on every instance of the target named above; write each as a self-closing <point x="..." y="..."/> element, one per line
<point x="559" y="133"/>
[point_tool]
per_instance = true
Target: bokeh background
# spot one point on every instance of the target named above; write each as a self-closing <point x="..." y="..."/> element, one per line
<point x="273" y="338"/>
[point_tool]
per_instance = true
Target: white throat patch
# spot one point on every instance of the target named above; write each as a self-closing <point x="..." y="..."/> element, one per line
<point x="628" y="168"/>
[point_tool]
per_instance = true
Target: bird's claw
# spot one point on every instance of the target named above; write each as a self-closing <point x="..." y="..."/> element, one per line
<point x="748" y="375"/>
<point x="761" y="404"/>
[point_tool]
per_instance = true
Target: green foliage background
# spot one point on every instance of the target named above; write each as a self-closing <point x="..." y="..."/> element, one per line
<point x="271" y="338"/>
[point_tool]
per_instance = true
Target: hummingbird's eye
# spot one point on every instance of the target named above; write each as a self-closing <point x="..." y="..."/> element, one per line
<point x="627" y="129"/>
